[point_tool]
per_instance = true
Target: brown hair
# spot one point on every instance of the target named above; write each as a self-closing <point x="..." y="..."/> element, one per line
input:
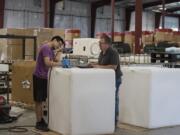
<point x="106" y="38"/>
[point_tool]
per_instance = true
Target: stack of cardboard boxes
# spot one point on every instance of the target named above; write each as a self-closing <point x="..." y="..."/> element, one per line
<point x="176" y="37"/>
<point x="22" y="83"/>
<point x="147" y="38"/>
<point x="129" y="38"/>
<point x="118" y="36"/>
<point x="43" y="35"/>
<point x="11" y="48"/>
<point x="163" y="35"/>
<point x="22" y="86"/>
<point x="70" y="34"/>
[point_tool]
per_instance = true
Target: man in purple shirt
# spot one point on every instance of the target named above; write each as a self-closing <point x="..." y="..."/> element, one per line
<point x="48" y="57"/>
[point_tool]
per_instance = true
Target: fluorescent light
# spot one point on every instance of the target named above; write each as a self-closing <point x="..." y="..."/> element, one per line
<point x="161" y="8"/>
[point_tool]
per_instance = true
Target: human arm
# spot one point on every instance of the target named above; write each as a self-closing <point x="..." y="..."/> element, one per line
<point x="110" y="61"/>
<point x="47" y="55"/>
<point x="104" y="66"/>
<point x="50" y="63"/>
<point x="57" y="53"/>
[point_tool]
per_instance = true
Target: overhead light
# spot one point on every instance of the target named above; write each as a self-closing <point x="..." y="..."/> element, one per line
<point x="60" y="5"/>
<point x="155" y="10"/>
<point x="161" y="8"/>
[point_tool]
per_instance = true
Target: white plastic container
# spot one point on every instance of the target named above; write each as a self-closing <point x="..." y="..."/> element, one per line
<point x="82" y="101"/>
<point x="150" y="97"/>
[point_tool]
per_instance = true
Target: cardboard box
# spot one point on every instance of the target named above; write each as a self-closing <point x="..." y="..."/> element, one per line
<point x="163" y="35"/>
<point x="12" y="31"/>
<point x="70" y="34"/>
<point x="14" y="52"/>
<point x="59" y="32"/>
<point x="129" y="38"/>
<point x="22" y="83"/>
<point x="118" y="36"/>
<point x="176" y="36"/>
<point x="11" y="49"/>
<point x="147" y="37"/>
<point x="43" y="35"/>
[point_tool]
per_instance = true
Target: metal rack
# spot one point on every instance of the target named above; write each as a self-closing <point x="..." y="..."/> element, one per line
<point x="23" y="40"/>
<point x="4" y="83"/>
<point x="163" y="56"/>
<point x="5" y="79"/>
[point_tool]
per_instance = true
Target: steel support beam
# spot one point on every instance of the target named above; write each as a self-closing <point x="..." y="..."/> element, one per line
<point x="173" y="9"/>
<point x="94" y="6"/>
<point x="138" y="25"/>
<point x="172" y="14"/>
<point x="163" y="14"/>
<point x="151" y="4"/>
<point x="46" y="16"/>
<point x="52" y="4"/>
<point x="112" y="19"/>
<point x="101" y="3"/>
<point x="128" y="19"/>
<point x="157" y="20"/>
<point x="2" y="7"/>
<point x="179" y="23"/>
<point x="93" y="19"/>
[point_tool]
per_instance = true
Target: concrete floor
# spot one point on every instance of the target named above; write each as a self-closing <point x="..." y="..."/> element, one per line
<point x="28" y="118"/>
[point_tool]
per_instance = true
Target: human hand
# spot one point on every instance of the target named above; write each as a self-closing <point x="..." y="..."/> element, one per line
<point x="94" y="65"/>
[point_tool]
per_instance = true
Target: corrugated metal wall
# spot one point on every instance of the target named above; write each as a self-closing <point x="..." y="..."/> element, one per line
<point x="148" y="22"/>
<point x="75" y="15"/>
<point x="23" y="13"/>
<point x="103" y="19"/>
<point x="29" y="13"/>
<point x="171" y="23"/>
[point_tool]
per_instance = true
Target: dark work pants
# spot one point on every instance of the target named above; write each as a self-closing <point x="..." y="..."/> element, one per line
<point x="118" y="82"/>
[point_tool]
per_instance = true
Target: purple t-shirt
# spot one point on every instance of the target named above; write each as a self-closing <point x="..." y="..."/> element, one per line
<point x="41" y="69"/>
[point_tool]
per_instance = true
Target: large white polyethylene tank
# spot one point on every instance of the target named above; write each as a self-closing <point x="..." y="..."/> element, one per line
<point x="82" y="101"/>
<point x="150" y="97"/>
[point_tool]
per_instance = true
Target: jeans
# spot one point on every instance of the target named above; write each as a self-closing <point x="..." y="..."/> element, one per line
<point x="118" y="82"/>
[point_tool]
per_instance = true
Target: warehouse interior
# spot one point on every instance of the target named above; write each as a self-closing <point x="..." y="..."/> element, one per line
<point x="80" y="99"/>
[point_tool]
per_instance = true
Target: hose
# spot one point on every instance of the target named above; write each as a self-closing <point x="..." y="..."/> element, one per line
<point x="17" y="129"/>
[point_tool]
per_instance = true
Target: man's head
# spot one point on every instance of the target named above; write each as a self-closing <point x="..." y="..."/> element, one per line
<point x="57" y="42"/>
<point x="105" y="42"/>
